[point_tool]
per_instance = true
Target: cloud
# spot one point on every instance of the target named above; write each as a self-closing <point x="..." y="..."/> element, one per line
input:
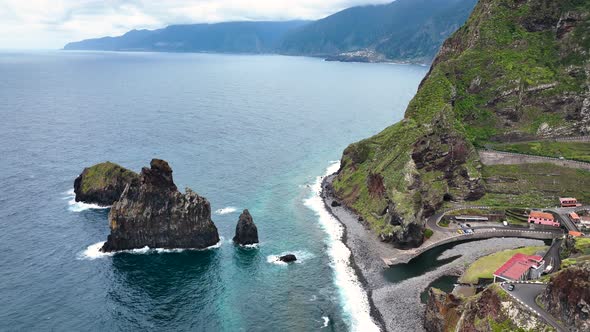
<point x="52" y="23"/>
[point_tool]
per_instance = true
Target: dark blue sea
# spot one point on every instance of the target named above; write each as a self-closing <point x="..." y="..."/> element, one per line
<point x="244" y="131"/>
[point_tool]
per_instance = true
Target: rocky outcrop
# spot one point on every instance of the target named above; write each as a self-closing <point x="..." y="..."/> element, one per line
<point x="246" y="231"/>
<point x="288" y="258"/>
<point x="491" y="310"/>
<point x="442" y="311"/>
<point x="567" y="297"/>
<point x="103" y="183"/>
<point x="152" y="212"/>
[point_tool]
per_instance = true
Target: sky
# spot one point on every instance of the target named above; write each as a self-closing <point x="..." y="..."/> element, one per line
<point x="50" y="24"/>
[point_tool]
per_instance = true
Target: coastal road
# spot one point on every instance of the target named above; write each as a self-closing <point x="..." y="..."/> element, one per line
<point x="562" y="214"/>
<point x="552" y="256"/>
<point x="526" y="294"/>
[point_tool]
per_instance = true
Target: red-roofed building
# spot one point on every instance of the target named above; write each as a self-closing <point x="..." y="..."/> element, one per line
<point x="542" y="218"/>
<point x="521" y="267"/>
<point x="574" y="217"/>
<point x="569" y="202"/>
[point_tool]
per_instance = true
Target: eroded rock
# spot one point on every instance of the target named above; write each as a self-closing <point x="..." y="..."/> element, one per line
<point x="152" y="212"/>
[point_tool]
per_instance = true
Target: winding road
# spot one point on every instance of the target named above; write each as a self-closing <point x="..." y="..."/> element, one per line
<point x="526" y="294"/>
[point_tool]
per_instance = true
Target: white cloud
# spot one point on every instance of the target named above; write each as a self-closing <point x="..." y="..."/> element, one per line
<point x="52" y="23"/>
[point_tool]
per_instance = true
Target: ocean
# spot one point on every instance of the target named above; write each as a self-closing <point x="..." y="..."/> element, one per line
<point x="245" y="131"/>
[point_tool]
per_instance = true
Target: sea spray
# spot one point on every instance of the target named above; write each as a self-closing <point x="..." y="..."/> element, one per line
<point x="353" y="297"/>
<point x="80" y="206"/>
<point x="93" y="252"/>
<point x="226" y="210"/>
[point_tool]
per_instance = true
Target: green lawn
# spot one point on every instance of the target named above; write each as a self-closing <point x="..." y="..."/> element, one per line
<point x="533" y="185"/>
<point x="487" y="265"/>
<point x="568" y="150"/>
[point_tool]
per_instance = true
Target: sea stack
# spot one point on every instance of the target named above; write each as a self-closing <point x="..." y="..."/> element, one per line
<point x="103" y="183"/>
<point x="152" y="212"/>
<point x="246" y="231"/>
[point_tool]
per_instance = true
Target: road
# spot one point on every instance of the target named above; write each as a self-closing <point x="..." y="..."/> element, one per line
<point x="562" y="214"/>
<point x="527" y="293"/>
<point x="552" y="256"/>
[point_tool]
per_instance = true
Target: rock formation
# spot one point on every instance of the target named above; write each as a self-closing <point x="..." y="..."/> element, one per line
<point x="152" y="212"/>
<point x="288" y="258"/>
<point x="442" y="311"/>
<point x="103" y="183"/>
<point x="567" y="297"/>
<point x="491" y="310"/>
<point x="246" y="231"/>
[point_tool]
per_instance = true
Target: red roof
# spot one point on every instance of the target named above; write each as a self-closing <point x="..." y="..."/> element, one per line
<point x="574" y="215"/>
<point x="518" y="265"/>
<point x="562" y="199"/>
<point x="538" y="214"/>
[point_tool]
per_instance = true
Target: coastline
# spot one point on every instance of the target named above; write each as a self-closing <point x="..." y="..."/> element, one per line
<point x="396" y="306"/>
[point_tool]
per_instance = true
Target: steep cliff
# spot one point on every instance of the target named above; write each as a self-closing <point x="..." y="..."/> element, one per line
<point x="152" y="212"/>
<point x="491" y="310"/>
<point x="516" y="69"/>
<point x="567" y="297"/>
<point x="103" y="183"/>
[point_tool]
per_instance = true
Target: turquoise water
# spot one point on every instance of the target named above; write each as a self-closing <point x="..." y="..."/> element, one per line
<point x="244" y="131"/>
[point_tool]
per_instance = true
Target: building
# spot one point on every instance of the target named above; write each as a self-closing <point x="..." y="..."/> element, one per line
<point x="575" y="234"/>
<point x="569" y="202"/>
<point x="585" y="221"/>
<point x="574" y="217"/>
<point x="542" y="218"/>
<point x="520" y="267"/>
<point x="471" y="218"/>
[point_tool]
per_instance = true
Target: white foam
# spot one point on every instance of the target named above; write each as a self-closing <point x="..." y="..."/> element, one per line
<point x="326" y="321"/>
<point x="353" y="297"/>
<point x="301" y="255"/>
<point x="226" y="210"/>
<point x="93" y="251"/>
<point x="79" y="206"/>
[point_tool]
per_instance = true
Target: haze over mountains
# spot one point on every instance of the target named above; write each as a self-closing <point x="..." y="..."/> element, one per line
<point x="404" y="30"/>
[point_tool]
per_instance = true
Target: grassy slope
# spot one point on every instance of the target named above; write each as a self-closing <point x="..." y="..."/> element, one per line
<point x="98" y="175"/>
<point x="533" y="185"/>
<point x="490" y="56"/>
<point x="568" y="150"/>
<point x="485" y="266"/>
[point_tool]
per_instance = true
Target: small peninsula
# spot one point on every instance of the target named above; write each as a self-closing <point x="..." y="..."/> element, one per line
<point x="152" y="212"/>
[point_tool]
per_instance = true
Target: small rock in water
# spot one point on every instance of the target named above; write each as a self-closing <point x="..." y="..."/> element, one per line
<point x="288" y="258"/>
<point x="246" y="231"/>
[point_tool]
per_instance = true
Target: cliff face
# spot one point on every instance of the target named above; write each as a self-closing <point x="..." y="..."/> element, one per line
<point x="491" y="310"/>
<point x="567" y="297"/>
<point x="103" y="183"/>
<point x="516" y="69"/>
<point x="152" y="212"/>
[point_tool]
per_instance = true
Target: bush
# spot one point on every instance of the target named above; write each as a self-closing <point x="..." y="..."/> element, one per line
<point x="428" y="233"/>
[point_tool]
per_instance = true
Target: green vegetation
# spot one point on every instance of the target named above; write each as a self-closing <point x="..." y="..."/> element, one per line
<point x="485" y="266"/>
<point x="444" y="222"/>
<point x="533" y="185"/>
<point x="428" y="233"/>
<point x="501" y="74"/>
<point x="568" y="150"/>
<point x="582" y="249"/>
<point x="100" y="175"/>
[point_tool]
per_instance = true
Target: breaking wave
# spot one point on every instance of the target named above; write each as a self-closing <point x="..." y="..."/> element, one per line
<point x="80" y="206"/>
<point x="302" y="256"/>
<point x="353" y="297"/>
<point x="226" y="210"/>
<point x="93" y="251"/>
